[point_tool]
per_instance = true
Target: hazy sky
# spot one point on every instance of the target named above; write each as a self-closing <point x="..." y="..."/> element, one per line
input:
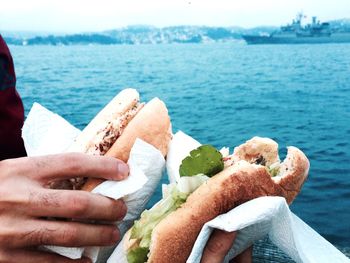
<point x="96" y="15"/>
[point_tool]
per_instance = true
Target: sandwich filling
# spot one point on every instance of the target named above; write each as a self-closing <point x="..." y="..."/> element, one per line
<point x="259" y="151"/>
<point x="106" y="137"/>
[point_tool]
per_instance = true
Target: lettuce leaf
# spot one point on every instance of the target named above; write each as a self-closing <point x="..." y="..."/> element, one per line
<point x="188" y="184"/>
<point x="138" y="255"/>
<point x="143" y="228"/>
<point x="274" y="169"/>
<point x="206" y="160"/>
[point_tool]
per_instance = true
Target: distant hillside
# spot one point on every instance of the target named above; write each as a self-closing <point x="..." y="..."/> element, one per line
<point x="153" y="35"/>
<point x="135" y="35"/>
<point x="176" y="34"/>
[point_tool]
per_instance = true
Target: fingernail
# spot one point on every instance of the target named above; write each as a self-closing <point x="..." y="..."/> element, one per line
<point x="123" y="169"/>
<point x="121" y="209"/>
<point x="115" y="236"/>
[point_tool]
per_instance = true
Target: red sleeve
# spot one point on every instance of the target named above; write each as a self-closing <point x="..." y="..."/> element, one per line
<point x="11" y="108"/>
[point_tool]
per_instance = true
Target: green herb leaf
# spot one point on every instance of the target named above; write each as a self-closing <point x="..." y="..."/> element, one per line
<point x="138" y="255"/>
<point x="203" y="160"/>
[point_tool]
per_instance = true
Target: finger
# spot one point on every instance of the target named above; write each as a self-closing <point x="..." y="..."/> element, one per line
<point x="218" y="246"/>
<point x="61" y="233"/>
<point x="74" y="204"/>
<point x="70" y="165"/>
<point x="32" y="256"/>
<point x="245" y="257"/>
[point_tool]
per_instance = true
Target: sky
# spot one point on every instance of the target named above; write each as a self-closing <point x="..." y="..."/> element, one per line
<point x="98" y="15"/>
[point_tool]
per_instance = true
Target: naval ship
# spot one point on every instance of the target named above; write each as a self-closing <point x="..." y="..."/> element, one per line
<point x="296" y="33"/>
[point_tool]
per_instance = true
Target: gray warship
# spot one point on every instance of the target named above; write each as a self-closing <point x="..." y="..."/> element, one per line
<point x="295" y="33"/>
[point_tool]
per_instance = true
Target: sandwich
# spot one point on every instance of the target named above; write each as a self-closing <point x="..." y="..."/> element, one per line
<point x="115" y="128"/>
<point x="212" y="183"/>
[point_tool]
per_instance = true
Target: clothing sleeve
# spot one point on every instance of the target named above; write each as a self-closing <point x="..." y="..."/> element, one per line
<point x="11" y="108"/>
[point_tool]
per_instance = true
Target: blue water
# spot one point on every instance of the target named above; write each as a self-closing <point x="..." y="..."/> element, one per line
<point x="221" y="94"/>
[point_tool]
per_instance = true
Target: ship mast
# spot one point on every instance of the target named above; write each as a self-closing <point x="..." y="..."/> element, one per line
<point x="299" y="17"/>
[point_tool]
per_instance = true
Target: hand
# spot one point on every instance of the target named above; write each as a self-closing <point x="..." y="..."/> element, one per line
<point x="25" y="205"/>
<point x="218" y="246"/>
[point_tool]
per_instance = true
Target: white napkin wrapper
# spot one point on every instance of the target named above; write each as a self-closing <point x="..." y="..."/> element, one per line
<point x="253" y="220"/>
<point x="47" y="133"/>
<point x="269" y="216"/>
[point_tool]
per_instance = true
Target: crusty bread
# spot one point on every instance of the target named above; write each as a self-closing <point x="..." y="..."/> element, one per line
<point x="293" y="173"/>
<point x="293" y="170"/>
<point x="173" y="238"/>
<point x="257" y="148"/>
<point x="151" y="124"/>
<point x="121" y="103"/>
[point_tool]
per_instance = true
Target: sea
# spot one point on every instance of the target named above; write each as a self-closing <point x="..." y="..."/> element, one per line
<point x="221" y="94"/>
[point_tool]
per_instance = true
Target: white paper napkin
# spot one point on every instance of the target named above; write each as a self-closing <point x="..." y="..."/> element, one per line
<point x="47" y="133"/>
<point x="269" y="216"/>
